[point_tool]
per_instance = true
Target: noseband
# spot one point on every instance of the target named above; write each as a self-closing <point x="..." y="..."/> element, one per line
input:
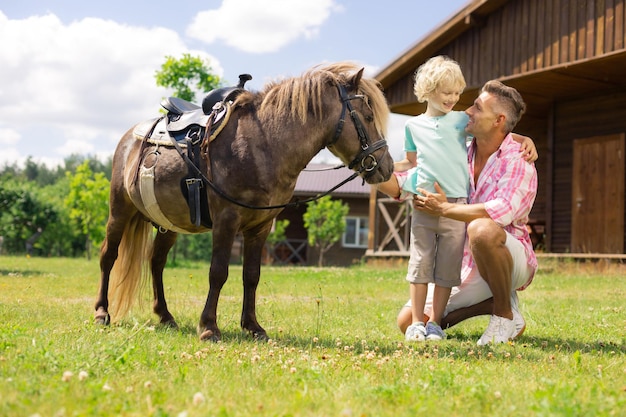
<point x="366" y="158"/>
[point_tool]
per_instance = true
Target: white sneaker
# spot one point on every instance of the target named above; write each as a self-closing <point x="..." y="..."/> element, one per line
<point x="434" y="331"/>
<point x="416" y="332"/>
<point x="499" y="330"/>
<point x="520" y="323"/>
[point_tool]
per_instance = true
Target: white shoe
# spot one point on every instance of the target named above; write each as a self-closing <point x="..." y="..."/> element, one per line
<point x="520" y="323"/>
<point x="416" y="332"/>
<point x="499" y="330"/>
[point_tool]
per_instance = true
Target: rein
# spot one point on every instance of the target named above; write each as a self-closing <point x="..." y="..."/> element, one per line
<point x="361" y="158"/>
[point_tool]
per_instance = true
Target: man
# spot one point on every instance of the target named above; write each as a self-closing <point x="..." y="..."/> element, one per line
<point x="499" y="257"/>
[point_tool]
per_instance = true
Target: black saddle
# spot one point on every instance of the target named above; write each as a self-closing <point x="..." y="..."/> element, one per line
<point x="220" y="95"/>
<point x="184" y="117"/>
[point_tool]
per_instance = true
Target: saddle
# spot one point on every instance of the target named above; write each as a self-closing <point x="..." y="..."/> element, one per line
<point x="185" y="119"/>
<point x="185" y="126"/>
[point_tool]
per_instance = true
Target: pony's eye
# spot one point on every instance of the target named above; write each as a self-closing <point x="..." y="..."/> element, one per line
<point x="369" y="118"/>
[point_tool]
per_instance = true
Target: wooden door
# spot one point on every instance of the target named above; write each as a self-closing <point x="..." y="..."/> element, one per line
<point x="598" y="195"/>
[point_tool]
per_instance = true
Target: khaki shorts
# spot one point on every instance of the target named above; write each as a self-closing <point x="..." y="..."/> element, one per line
<point x="436" y="249"/>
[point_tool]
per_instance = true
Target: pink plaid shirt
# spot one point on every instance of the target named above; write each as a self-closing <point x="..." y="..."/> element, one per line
<point x="507" y="186"/>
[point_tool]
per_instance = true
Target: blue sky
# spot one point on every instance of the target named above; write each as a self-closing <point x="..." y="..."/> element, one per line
<point x="76" y="74"/>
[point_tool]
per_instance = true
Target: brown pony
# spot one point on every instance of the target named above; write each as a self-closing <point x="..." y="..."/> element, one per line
<point x="252" y="166"/>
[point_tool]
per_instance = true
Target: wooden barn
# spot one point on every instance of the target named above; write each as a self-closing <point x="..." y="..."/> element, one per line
<point x="313" y="181"/>
<point x="568" y="60"/>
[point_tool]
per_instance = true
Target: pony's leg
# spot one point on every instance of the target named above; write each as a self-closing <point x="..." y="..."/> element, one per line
<point x="223" y="237"/>
<point x="163" y="242"/>
<point x="253" y="250"/>
<point x="108" y="255"/>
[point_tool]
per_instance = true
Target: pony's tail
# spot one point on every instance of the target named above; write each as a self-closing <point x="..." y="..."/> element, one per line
<point x="132" y="268"/>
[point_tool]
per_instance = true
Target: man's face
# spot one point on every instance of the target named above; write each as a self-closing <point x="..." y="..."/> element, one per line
<point x="482" y="118"/>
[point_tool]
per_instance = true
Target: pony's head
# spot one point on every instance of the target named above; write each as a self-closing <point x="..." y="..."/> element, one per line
<point x="352" y="109"/>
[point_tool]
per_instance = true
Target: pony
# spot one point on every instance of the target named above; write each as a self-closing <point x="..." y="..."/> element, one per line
<point x="249" y="170"/>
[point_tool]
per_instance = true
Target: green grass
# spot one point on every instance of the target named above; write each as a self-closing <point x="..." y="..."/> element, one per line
<point x="335" y="349"/>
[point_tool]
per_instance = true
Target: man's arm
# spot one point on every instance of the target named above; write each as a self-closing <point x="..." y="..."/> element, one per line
<point x="436" y="204"/>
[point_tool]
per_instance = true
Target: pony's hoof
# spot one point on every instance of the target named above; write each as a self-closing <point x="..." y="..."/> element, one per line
<point x="210" y="336"/>
<point x="102" y="317"/>
<point x="170" y="324"/>
<point x="260" y="337"/>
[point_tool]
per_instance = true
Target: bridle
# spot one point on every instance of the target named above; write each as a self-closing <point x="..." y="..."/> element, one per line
<point x="365" y="158"/>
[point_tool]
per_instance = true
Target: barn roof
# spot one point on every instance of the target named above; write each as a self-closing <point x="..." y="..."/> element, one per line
<point x="451" y="29"/>
<point x="319" y="178"/>
<point x="592" y="74"/>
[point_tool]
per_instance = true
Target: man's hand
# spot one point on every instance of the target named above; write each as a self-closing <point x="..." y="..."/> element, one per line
<point x="431" y="203"/>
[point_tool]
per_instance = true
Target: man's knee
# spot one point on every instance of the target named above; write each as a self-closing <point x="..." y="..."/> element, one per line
<point x="404" y="318"/>
<point x="484" y="233"/>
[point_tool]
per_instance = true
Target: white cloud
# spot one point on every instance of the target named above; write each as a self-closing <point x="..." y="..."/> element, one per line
<point x="8" y="156"/>
<point x="87" y="81"/>
<point x="9" y="137"/>
<point x="9" y="140"/>
<point x="261" y="26"/>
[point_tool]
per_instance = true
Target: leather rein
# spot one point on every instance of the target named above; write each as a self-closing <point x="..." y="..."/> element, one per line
<point x="365" y="158"/>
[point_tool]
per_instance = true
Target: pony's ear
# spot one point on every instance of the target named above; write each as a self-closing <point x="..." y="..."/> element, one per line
<point x="356" y="78"/>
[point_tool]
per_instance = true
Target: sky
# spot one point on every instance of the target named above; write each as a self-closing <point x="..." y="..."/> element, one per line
<point x="76" y="74"/>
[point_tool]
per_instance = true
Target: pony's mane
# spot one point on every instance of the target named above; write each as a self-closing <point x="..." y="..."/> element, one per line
<point x="297" y="95"/>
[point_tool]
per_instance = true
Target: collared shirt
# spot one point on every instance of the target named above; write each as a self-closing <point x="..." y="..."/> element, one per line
<point x="441" y="147"/>
<point x="507" y="186"/>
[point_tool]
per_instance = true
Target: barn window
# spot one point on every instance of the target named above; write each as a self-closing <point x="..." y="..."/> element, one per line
<point x="356" y="232"/>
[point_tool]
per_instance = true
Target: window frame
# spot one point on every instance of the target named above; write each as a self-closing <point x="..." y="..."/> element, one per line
<point x="360" y="222"/>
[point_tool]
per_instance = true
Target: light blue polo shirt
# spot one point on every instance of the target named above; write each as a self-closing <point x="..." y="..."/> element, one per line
<point x="441" y="146"/>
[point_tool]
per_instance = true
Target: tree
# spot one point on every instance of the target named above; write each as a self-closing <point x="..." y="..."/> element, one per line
<point x="276" y="236"/>
<point x="88" y="203"/>
<point x="186" y="76"/>
<point x="325" y="223"/>
<point x="23" y="216"/>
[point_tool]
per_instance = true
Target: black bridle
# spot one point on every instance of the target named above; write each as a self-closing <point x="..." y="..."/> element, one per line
<point x="365" y="158"/>
<point x="367" y="151"/>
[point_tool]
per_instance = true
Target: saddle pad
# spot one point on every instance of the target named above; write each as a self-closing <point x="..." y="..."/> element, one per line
<point x="159" y="136"/>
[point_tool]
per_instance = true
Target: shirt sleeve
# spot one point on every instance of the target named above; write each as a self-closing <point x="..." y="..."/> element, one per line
<point x="515" y="191"/>
<point x="409" y="143"/>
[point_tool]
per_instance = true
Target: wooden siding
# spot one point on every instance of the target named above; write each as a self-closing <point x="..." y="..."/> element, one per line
<point x="525" y="36"/>
<point x="574" y="120"/>
<point x="530" y="35"/>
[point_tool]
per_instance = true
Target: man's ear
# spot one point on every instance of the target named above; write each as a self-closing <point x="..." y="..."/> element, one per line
<point x="500" y="120"/>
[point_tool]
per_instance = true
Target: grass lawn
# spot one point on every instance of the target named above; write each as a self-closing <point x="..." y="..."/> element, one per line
<point x="335" y="349"/>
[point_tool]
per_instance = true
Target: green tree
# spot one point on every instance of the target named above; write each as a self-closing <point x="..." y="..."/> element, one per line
<point x="276" y="236"/>
<point x="325" y="222"/>
<point x="61" y="238"/>
<point x="88" y="203"/>
<point x="187" y="75"/>
<point x="193" y="247"/>
<point x="24" y="216"/>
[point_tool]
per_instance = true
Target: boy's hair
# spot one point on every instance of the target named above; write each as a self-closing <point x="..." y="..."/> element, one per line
<point x="435" y="72"/>
<point x="509" y="101"/>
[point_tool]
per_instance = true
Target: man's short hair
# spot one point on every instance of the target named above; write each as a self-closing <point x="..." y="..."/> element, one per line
<point x="509" y="102"/>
